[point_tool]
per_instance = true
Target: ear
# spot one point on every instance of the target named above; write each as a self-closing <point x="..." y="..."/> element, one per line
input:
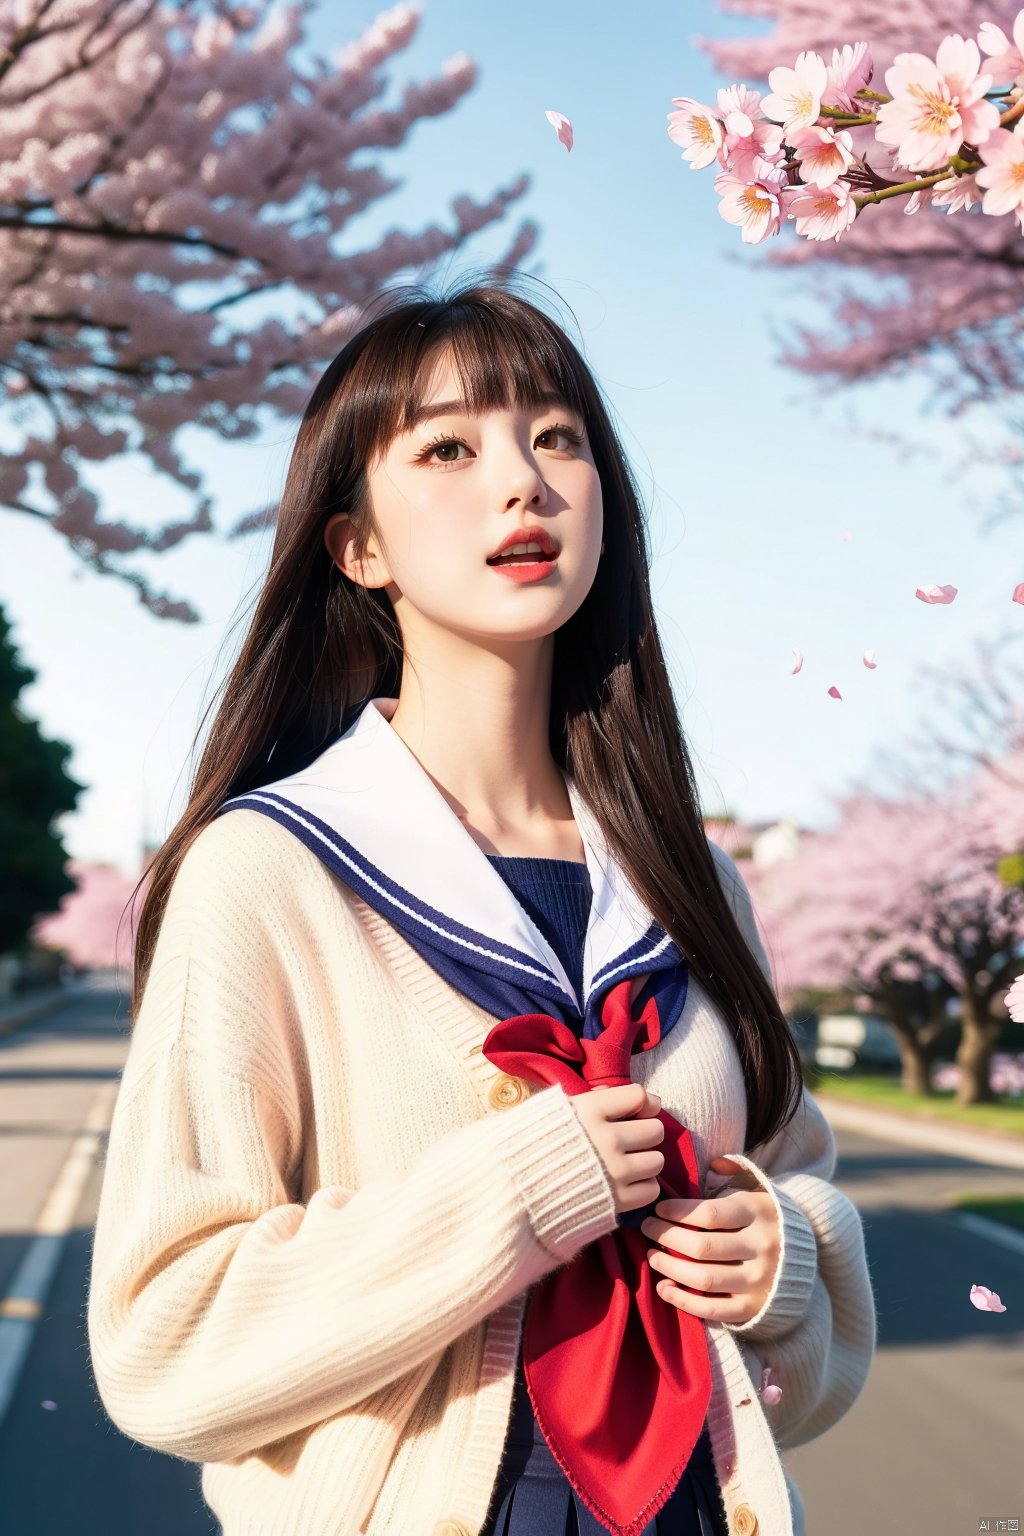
<point x="339" y="541"/>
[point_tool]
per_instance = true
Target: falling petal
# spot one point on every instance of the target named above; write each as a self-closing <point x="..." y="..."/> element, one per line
<point x="844" y="538"/>
<point x="1018" y="592"/>
<point x="48" y="1404"/>
<point x="798" y="662"/>
<point x="933" y="594"/>
<point x="562" y="126"/>
<point x="771" y="1395"/>
<point x="986" y="1300"/>
<point x="834" y="693"/>
<point x="869" y="659"/>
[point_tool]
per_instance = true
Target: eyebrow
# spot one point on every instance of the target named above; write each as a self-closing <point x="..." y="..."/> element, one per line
<point x="453" y="407"/>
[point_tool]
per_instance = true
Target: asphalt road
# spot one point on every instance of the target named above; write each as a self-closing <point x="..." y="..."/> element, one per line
<point x="934" y="1444"/>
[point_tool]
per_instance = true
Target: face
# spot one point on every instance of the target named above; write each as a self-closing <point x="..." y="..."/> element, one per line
<point x="446" y="495"/>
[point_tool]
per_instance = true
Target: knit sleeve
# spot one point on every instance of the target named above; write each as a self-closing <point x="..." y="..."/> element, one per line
<point x="817" y="1326"/>
<point x="224" y="1312"/>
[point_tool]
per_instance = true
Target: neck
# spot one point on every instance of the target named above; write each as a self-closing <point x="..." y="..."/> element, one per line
<point x="481" y="734"/>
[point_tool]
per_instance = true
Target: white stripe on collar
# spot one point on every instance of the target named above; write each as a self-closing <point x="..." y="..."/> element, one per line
<point x="370" y="789"/>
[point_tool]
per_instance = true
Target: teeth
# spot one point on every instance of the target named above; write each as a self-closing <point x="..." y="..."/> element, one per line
<point x="522" y="549"/>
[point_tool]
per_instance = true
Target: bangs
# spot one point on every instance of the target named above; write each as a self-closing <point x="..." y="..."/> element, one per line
<point x="502" y="363"/>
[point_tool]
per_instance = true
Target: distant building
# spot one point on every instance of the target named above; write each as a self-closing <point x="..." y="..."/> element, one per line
<point x="763" y="842"/>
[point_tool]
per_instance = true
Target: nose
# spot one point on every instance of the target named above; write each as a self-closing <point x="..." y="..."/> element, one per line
<point x="523" y="481"/>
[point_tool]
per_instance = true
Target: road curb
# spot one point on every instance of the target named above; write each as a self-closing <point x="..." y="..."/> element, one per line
<point x="979" y="1146"/>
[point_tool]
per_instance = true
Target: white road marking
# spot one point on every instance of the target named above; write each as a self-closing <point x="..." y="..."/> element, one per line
<point x="995" y="1231"/>
<point x="22" y="1307"/>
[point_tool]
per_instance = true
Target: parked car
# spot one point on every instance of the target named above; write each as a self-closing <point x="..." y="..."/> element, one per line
<point x="855" y="1040"/>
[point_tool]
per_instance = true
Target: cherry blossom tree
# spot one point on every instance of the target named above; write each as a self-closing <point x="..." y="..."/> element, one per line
<point x="175" y="194"/>
<point x="971" y="720"/>
<point x="88" y="926"/>
<point x="931" y="294"/>
<point x="902" y="908"/>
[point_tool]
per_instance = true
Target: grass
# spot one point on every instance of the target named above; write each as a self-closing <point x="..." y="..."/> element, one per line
<point x="883" y="1091"/>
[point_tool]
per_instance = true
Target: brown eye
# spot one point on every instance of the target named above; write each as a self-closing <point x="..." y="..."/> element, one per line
<point x="427" y="453"/>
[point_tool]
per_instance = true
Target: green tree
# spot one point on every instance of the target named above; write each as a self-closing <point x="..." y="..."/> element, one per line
<point x="34" y="790"/>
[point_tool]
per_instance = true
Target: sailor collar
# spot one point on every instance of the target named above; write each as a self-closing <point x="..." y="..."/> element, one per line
<point x="367" y="808"/>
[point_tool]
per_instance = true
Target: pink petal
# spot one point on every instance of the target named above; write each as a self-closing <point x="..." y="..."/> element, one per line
<point x="798" y="662"/>
<point x="844" y="538"/>
<point x="1018" y="593"/>
<point x="986" y="1300"/>
<point x="834" y="693"/>
<point x="562" y="126"/>
<point x="933" y="594"/>
<point x="869" y="659"/>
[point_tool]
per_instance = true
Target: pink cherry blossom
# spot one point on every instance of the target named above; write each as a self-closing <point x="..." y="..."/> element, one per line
<point x="956" y="192"/>
<point x="986" y="1300"/>
<point x="917" y="200"/>
<point x="1018" y="593"/>
<point x="963" y="332"/>
<point x="823" y="154"/>
<point x="933" y="594"/>
<point x="697" y="129"/>
<point x="1005" y="59"/>
<point x="952" y="194"/>
<point x="834" y="693"/>
<point x="869" y="660"/>
<point x="795" y="98"/>
<point x="150" y="148"/>
<point x="562" y="126"/>
<point x="757" y="206"/>
<point x="850" y="71"/>
<point x="823" y="213"/>
<point x="749" y="135"/>
<point x="1014" y="1000"/>
<point x="936" y="105"/>
<point x="798" y="660"/>
<point x="1002" y="175"/>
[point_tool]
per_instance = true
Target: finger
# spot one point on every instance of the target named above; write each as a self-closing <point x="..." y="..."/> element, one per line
<point x="713" y="1309"/>
<point x="703" y="1275"/>
<point x="725" y="1213"/>
<point x="696" y="1244"/>
<point x="628" y="1106"/>
<point x="644" y="1133"/>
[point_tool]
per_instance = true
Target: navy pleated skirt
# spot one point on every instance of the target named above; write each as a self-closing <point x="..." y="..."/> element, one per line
<point x="533" y="1497"/>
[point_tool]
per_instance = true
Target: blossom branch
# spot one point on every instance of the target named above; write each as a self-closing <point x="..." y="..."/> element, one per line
<point x="902" y="188"/>
<point x="790" y="154"/>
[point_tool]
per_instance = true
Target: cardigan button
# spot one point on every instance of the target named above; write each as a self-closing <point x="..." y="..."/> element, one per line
<point x="745" y="1522"/>
<point x="451" y="1528"/>
<point x="506" y="1091"/>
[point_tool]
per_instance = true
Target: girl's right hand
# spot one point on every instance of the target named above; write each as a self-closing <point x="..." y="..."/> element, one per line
<point x="623" y="1126"/>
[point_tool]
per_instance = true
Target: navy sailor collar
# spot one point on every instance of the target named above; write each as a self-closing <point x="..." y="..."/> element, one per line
<point x="367" y="808"/>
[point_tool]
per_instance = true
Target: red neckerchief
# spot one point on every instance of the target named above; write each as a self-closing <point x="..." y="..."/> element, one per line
<point x="619" y="1379"/>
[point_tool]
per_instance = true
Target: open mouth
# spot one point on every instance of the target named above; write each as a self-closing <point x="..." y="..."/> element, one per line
<point x="529" y="557"/>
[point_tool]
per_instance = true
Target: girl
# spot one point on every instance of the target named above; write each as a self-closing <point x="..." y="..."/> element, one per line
<point x="445" y="1005"/>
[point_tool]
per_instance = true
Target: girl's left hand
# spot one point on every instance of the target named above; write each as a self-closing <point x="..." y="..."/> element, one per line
<point x="721" y="1263"/>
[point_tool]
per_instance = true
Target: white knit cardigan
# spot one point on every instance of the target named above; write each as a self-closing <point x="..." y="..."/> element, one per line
<point x="322" y="1209"/>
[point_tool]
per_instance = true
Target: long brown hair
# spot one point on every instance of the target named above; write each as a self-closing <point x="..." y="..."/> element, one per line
<point x="319" y="646"/>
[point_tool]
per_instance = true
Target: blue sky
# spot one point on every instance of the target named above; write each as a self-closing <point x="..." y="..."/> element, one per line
<point x="749" y="474"/>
